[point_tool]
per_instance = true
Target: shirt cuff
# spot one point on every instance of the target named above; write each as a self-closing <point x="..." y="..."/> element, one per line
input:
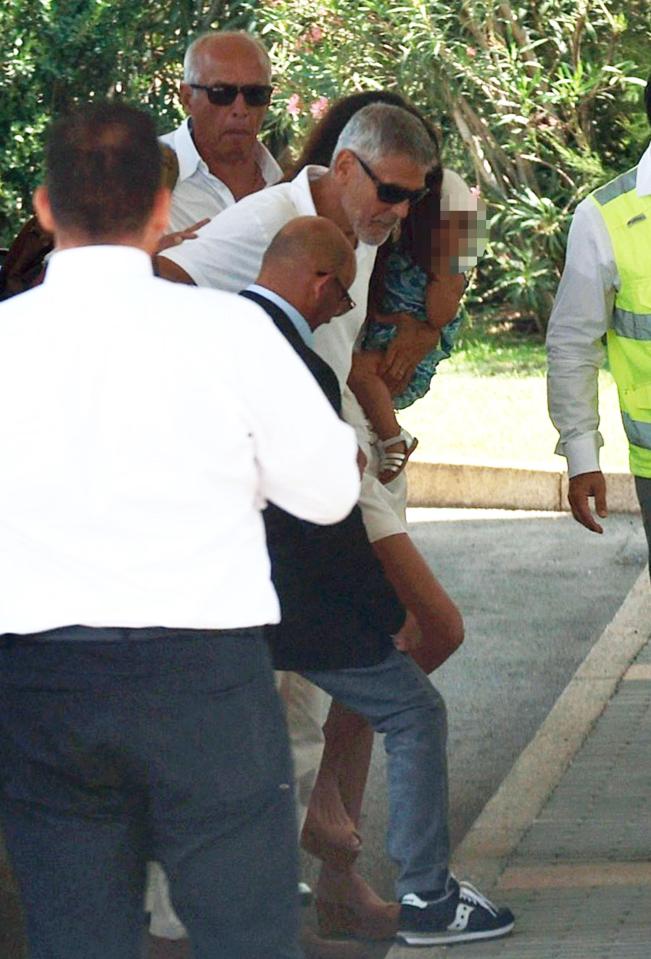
<point x="582" y="453"/>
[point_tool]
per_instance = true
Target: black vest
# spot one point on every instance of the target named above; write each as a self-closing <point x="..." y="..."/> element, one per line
<point x="338" y="609"/>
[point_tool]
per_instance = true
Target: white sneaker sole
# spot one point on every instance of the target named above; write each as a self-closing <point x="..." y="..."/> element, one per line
<point x="448" y="938"/>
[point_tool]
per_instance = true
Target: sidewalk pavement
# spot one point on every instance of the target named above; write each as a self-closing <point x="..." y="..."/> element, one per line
<point x="566" y="840"/>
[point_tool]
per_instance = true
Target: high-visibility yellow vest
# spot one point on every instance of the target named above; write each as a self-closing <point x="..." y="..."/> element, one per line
<point x="627" y="217"/>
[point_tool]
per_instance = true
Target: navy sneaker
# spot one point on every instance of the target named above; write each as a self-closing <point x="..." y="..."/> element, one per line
<point x="462" y="914"/>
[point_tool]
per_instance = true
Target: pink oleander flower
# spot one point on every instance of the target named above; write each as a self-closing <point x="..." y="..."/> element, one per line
<point x="318" y="107"/>
<point x="316" y="33"/>
<point x="475" y="190"/>
<point x="471" y="51"/>
<point x="294" y="105"/>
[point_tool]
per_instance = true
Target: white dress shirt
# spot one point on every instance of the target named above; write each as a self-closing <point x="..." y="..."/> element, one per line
<point x="143" y="426"/>
<point x="198" y="193"/>
<point x="582" y="313"/>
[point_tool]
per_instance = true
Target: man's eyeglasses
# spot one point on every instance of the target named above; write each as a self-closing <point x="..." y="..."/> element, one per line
<point x="223" y="94"/>
<point x="346" y="302"/>
<point x="391" y="193"/>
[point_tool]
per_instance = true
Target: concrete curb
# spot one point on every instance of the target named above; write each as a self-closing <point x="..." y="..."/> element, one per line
<point x="499" y="487"/>
<point x="496" y="832"/>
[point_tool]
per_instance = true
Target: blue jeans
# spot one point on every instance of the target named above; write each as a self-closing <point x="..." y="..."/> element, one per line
<point x="398" y="699"/>
<point x="170" y="748"/>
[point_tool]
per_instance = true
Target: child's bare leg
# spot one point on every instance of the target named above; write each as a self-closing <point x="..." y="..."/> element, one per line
<point x="375" y="399"/>
<point x="373" y="393"/>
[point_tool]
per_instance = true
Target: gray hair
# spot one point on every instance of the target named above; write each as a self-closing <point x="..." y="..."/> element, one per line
<point x="381" y="129"/>
<point x="190" y="60"/>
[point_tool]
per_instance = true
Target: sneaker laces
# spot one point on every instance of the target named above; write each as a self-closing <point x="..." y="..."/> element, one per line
<point x="468" y="893"/>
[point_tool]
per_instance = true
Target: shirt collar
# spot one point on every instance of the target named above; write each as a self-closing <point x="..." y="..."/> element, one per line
<point x="643" y="179"/>
<point x="297" y="319"/>
<point x="82" y="265"/>
<point x="186" y="152"/>
<point x="300" y="189"/>
<point x="189" y="157"/>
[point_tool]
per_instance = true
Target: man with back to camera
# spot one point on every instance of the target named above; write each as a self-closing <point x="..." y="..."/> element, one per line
<point x="138" y="715"/>
<point x="225" y="92"/>
<point x="605" y="291"/>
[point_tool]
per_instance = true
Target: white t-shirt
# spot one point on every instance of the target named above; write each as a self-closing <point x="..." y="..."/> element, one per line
<point x="143" y="427"/>
<point x="198" y="193"/>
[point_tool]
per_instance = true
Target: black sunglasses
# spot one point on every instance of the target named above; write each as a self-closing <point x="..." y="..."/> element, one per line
<point x="223" y="94"/>
<point x="391" y="193"/>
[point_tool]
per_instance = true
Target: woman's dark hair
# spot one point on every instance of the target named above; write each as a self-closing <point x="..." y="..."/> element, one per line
<point x="416" y="232"/>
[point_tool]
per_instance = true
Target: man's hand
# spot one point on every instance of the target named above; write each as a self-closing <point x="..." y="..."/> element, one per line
<point x="581" y="487"/>
<point x="409" y="635"/>
<point x="412" y="342"/>
<point x="189" y="233"/>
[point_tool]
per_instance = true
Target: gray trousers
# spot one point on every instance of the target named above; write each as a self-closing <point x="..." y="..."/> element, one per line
<point x="172" y="747"/>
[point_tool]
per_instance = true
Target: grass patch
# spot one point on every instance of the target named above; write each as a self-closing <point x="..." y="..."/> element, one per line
<point x="484" y="349"/>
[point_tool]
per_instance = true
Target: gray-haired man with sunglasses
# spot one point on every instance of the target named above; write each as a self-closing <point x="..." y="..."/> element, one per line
<point x="378" y="169"/>
<point x="225" y="91"/>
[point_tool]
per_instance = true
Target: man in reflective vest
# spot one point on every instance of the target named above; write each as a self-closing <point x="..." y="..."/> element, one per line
<point x="605" y="290"/>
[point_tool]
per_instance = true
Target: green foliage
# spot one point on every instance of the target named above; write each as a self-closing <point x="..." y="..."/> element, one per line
<point x="56" y="53"/>
<point x="538" y="100"/>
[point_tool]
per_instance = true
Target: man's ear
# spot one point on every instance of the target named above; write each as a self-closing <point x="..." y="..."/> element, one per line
<point x="42" y="208"/>
<point x="185" y="95"/>
<point x="159" y="218"/>
<point x="344" y="166"/>
<point x="319" y="285"/>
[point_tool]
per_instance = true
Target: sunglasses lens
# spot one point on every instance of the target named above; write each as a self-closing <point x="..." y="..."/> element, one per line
<point x="225" y="94"/>
<point x="388" y="193"/>
<point x="222" y="96"/>
<point x="256" y="96"/>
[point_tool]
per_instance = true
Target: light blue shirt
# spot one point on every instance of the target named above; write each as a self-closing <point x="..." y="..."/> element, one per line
<point x="298" y="320"/>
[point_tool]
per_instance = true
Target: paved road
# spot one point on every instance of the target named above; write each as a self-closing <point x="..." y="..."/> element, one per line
<point x="536" y="591"/>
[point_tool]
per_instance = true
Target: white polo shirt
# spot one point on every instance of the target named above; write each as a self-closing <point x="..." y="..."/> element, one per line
<point x="198" y="193"/>
<point x="143" y="427"/>
<point x="227" y="255"/>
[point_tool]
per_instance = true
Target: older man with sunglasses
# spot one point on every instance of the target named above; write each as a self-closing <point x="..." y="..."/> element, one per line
<point x="225" y="91"/>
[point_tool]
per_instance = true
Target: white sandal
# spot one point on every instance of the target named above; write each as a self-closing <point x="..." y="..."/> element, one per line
<point x="392" y="463"/>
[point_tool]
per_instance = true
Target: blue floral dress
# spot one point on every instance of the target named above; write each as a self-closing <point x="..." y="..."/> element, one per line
<point x="405" y="288"/>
